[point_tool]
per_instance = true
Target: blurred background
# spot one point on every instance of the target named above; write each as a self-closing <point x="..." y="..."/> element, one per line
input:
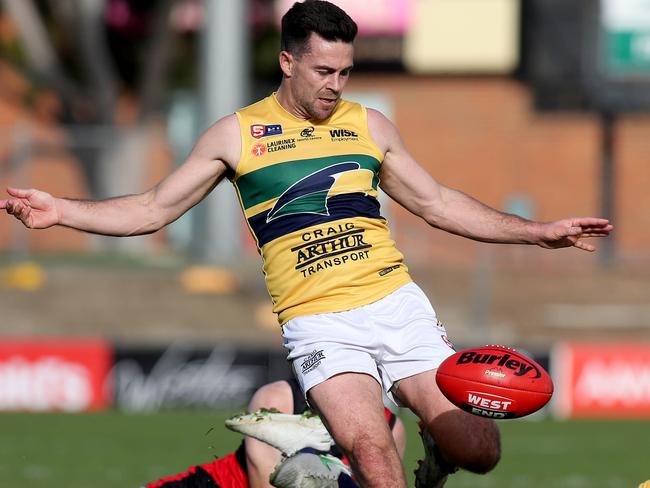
<point x="538" y="108"/>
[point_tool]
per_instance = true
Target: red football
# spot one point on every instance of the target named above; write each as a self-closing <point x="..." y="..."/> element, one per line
<point x="494" y="381"/>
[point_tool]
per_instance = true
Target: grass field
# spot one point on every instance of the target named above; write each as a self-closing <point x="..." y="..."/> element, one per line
<point x="118" y="450"/>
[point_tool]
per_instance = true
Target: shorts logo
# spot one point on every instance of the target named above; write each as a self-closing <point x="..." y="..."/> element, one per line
<point x="446" y="340"/>
<point x="258" y="149"/>
<point x="312" y="361"/>
<point x="260" y="130"/>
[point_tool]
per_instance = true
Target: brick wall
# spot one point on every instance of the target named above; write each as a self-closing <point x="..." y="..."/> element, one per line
<point x="482" y="135"/>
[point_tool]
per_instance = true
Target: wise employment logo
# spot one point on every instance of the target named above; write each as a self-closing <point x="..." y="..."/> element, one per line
<point x="310" y="194"/>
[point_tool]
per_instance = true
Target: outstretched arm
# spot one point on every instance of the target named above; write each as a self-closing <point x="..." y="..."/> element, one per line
<point x="456" y="212"/>
<point x="215" y="153"/>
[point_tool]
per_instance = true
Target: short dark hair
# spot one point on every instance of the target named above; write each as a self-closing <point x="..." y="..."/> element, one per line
<point x="318" y="16"/>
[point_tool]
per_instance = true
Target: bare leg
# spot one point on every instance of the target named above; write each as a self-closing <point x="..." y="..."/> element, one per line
<point x="467" y="441"/>
<point x="352" y="408"/>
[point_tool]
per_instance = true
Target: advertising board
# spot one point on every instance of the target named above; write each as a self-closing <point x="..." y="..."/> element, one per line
<point x="185" y="376"/>
<point x="608" y="380"/>
<point x="69" y="375"/>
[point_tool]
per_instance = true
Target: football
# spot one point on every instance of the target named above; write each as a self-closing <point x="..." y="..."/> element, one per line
<point x="494" y="381"/>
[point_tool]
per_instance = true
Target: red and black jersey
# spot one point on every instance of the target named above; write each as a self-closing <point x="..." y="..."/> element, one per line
<point x="226" y="472"/>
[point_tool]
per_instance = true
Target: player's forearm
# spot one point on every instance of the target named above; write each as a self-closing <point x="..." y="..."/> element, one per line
<point x="129" y="215"/>
<point x="463" y="215"/>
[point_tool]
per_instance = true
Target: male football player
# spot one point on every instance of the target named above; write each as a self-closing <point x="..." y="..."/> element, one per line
<point x="307" y="165"/>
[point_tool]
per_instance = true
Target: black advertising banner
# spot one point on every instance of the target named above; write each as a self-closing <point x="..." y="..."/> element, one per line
<point x="181" y="376"/>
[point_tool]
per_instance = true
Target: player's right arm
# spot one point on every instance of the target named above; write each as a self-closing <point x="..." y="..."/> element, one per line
<point x="214" y="155"/>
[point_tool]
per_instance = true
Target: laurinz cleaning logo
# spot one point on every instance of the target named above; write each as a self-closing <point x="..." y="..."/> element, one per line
<point x="312" y="361"/>
<point x="310" y="194"/>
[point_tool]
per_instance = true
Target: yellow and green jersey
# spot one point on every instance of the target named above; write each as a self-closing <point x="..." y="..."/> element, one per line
<point x="309" y="194"/>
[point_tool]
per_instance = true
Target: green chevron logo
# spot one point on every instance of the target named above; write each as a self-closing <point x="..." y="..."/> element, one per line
<point x="310" y="194"/>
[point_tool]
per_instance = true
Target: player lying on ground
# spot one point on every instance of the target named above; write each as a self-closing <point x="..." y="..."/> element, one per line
<point x="290" y="462"/>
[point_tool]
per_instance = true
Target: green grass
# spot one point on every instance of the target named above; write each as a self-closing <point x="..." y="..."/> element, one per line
<point x="589" y="454"/>
<point x="117" y="450"/>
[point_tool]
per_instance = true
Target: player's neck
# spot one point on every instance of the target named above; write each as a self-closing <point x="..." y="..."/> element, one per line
<point x="288" y="102"/>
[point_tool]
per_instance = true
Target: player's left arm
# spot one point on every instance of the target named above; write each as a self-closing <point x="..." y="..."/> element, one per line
<point x="409" y="184"/>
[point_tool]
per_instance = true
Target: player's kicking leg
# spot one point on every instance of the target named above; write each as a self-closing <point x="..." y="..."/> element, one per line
<point x="352" y="408"/>
<point x="464" y="440"/>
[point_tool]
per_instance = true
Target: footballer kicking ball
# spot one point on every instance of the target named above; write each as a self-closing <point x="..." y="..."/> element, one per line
<point x="495" y="382"/>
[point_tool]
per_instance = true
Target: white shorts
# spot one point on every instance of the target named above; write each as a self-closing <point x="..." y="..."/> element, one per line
<point x="391" y="339"/>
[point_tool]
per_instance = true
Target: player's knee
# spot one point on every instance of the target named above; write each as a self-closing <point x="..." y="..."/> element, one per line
<point x="369" y="450"/>
<point x="373" y="458"/>
<point x="469" y="442"/>
<point x="485" y="462"/>
<point x="487" y="456"/>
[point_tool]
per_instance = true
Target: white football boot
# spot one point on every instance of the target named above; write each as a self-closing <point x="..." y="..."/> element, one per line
<point x="433" y="470"/>
<point x="288" y="433"/>
<point x="307" y="470"/>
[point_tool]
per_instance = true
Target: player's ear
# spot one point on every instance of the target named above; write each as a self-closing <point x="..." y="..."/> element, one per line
<point x="287" y="63"/>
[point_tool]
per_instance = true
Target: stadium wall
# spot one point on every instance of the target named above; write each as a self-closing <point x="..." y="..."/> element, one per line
<point x="480" y="135"/>
<point x="592" y="380"/>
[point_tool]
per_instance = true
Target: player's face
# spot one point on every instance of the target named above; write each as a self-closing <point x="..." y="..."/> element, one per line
<point x="319" y="75"/>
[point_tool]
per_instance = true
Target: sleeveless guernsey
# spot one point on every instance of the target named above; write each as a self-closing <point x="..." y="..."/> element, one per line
<point x="309" y="195"/>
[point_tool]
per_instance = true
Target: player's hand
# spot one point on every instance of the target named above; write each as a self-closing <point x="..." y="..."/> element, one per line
<point x="573" y="232"/>
<point x="35" y="209"/>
